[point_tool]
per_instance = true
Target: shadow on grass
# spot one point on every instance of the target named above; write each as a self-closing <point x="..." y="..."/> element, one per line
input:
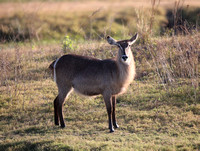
<point x="34" y="130"/>
<point x="34" y="146"/>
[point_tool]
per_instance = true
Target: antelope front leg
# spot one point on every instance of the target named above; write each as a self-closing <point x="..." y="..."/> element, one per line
<point x="113" y="113"/>
<point x="108" y="102"/>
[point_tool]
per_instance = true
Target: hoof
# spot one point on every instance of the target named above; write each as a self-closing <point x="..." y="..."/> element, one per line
<point x="56" y="123"/>
<point x="62" y="126"/>
<point x="116" y="126"/>
<point x="112" y="130"/>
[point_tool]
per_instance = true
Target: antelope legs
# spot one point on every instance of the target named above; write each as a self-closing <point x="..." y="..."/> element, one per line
<point x="110" y="102"/>
<point x="113" y="113"/>
<point x="56" y="111"/>
<point x="58" y="106"/>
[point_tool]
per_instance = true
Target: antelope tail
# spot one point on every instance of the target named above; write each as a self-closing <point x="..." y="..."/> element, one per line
<point x="52" y="67"/>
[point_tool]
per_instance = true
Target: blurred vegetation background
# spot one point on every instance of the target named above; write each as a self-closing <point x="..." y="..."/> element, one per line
<point x="93" y="19"/>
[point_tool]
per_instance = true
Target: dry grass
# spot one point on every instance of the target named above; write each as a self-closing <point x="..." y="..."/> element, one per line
<point x="153" y="115"/>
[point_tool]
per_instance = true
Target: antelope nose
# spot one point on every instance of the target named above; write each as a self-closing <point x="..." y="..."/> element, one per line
<point x="124" y="57"/>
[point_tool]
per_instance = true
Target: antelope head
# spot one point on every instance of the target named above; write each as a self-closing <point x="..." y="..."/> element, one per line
<point x="124" y="54"/>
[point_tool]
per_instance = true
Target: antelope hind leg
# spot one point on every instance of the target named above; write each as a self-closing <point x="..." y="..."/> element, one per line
<point x="56" y="117"/>
<point x="61" y="98"/>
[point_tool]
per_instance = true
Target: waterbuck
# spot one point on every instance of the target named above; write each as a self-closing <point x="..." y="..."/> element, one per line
<point x="91" y="76"/>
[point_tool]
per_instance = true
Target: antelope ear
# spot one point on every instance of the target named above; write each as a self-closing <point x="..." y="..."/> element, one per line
<point x="133" y="39"/>
<point x="111" y="41"/>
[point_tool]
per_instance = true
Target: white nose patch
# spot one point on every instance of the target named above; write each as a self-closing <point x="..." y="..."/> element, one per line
<point x="124" y="57"/>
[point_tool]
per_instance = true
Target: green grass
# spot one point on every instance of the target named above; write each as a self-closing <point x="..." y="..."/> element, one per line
<point x="151" y="115"/>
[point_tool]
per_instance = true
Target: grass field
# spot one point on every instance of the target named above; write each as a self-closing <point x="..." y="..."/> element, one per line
<point x="160" y="111"/>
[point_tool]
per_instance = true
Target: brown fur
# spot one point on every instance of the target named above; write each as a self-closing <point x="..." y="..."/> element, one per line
<point x="90" y="76"/>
